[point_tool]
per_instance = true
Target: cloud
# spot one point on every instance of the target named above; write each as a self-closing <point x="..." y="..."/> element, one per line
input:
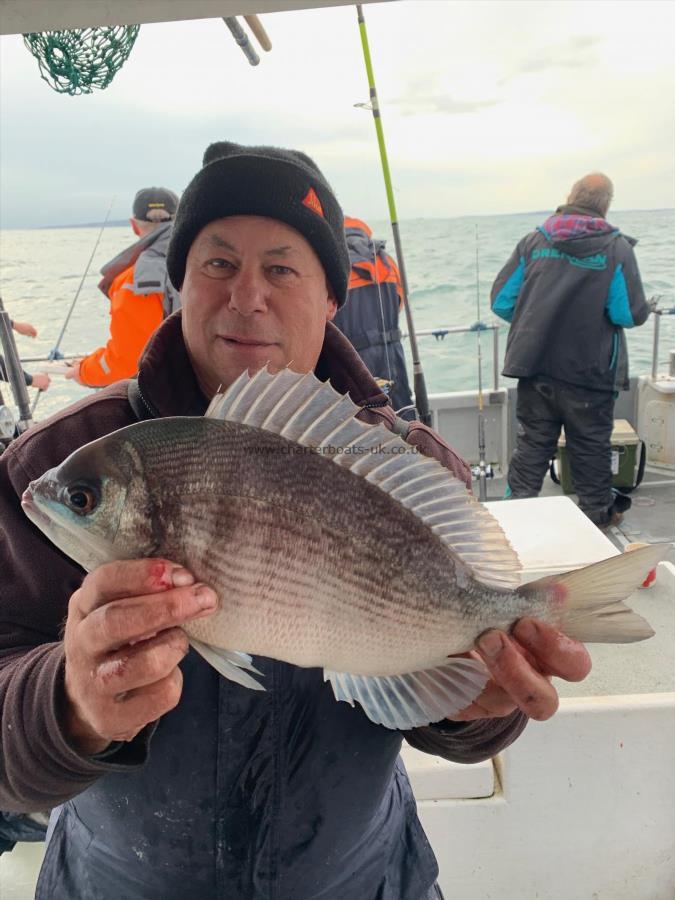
<point x="425" y="95"/>
<point x="443" y="103"/>
<point x="575" y="53"/>
<point x="487" y="107"/>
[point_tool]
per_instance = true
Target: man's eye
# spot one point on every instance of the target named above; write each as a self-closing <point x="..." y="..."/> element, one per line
<point x="218" y="267"/>
<point x="282" y="270"/>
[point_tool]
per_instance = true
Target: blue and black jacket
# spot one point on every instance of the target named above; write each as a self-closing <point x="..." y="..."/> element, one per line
<point x="569" y="290"/>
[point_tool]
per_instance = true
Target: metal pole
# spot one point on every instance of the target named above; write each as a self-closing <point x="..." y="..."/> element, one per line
<point x="241" y="38"/>
<point x="421" y="397"/>
<point x="655" y="347"/>
<point x="26" y="360"/>
<point x="14" y="371"/>
<point x="495" y="357"/>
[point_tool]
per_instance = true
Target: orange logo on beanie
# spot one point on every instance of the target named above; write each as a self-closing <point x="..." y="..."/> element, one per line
<point x="313" y="202"/>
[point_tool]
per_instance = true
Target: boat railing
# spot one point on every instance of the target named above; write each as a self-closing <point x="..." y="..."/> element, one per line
<point x="658" y="313"/>
<point x="441" y="332"/>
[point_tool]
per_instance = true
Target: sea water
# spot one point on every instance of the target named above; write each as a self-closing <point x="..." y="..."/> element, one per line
<point x="450" y="263"/>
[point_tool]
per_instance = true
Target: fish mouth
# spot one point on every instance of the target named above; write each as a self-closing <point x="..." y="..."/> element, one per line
<point x="88" y="551"/>
<point x="33" y="511"/>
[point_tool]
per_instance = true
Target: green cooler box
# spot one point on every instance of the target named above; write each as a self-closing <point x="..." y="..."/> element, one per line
<point x="625" y="458"/>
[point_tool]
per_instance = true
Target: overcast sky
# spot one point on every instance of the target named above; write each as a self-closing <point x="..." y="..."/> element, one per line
<point x="488" y="107"/>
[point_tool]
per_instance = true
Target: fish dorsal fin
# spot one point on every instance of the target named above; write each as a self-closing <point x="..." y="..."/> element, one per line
<point x="311" y="413"/>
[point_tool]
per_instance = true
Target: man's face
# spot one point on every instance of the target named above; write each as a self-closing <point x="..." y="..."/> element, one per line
<point x="254" y="293"/>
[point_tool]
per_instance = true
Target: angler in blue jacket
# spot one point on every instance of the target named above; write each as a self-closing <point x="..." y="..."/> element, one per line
<point x="569" y="290"/>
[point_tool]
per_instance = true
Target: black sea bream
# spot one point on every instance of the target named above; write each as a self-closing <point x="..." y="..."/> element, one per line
<point x="329" y="542"/>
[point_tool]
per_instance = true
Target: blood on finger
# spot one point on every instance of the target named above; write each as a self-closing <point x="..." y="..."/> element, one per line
<point x="160" y="575"/>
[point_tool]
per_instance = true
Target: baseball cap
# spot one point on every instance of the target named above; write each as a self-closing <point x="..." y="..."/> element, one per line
<point x="155" y="204"/>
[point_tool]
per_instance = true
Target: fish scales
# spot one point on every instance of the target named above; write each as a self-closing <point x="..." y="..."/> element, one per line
<point x="328" y="573"/>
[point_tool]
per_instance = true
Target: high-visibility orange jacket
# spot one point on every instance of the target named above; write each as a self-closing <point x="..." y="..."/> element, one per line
<point x="373" y="268"/>
<point x="370" y="317"/>
<point x="133" y="318"/>
<point x="141" y="295"/>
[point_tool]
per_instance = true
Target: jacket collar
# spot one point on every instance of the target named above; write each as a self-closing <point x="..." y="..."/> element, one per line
<point x="129" y="255"/>
<point x="169" y="387"/>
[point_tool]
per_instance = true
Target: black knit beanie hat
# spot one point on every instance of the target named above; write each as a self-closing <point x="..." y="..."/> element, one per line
<point x="262" y="181"/>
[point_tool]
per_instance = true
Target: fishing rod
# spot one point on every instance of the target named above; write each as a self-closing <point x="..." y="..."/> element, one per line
<point x="421" y="397"/>
<point x="54" y="353"/>
<point x="482" y="468"/>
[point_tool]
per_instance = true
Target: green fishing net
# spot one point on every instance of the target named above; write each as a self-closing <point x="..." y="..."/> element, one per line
<point x="76" y="62"/>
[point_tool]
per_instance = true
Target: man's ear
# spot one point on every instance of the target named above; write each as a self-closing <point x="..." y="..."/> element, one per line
<point x="331" y="303"/>
<point x="134" y="226"/>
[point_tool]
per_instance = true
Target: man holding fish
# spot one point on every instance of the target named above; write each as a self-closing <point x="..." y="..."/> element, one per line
<point x="202" y="526"/>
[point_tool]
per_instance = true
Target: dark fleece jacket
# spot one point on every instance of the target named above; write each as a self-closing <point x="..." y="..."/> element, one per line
<point x="39" y="767"/>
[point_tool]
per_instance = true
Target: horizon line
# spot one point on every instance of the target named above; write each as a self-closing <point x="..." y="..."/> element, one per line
<point x="118" y="223"/>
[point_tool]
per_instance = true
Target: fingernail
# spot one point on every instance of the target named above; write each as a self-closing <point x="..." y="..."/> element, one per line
<point x="180" y="577"/>
<point x="206" y="597"/>
<point x="527" y="631"/>
<point x="491" y="644"/>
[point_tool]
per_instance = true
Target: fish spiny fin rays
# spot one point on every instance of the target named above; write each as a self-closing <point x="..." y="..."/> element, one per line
<point x="311" y="413"/>
<point x="231" y="664"/>
<point x="415" y="699"/>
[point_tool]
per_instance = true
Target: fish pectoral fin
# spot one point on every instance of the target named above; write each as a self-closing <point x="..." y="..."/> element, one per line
<point x="232" y="664"/>
<point x="416" y="698"/>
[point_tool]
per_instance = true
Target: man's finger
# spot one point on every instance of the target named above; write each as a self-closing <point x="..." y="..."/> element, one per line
<point x="134" y="619"/>
<point x="492" y="703"/>
<point x="555" y="653"/>
<point x="530" y="691"/>
<point x="143" y="664"/>
<point x="128" y="578"/>
<point x="122" y="719"/>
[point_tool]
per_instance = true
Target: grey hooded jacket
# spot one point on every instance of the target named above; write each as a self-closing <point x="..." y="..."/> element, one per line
<point x="569" y="289"/>
<point x="148" y="257"/>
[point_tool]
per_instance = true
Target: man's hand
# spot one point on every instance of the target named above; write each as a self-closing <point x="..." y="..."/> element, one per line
<point x="123" y="643"/>
<point x="521" y="665"/>
<point x="41" y="381"/>
<point x="25" y="328"/>
<point x="73" y="373"/>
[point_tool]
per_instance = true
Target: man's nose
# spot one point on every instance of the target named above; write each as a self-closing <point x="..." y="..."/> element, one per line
<point x="248" y="292"/>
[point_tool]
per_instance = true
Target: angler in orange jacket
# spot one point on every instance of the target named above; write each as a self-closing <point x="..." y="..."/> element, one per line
<point x="369" y="318"/>
<point x="140" y="294"/>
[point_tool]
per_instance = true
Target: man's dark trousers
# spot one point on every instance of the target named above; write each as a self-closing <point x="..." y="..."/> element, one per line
<point x="544" y="405"/>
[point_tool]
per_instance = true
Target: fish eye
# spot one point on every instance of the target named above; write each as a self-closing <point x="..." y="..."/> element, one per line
<point x="81" y="498"/>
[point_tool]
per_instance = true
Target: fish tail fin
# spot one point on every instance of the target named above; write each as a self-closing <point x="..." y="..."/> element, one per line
<point x="415" y="699"/>
<point x="592" y="597"/>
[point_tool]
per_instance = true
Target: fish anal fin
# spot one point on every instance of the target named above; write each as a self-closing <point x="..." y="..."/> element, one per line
<point x="414" y="699"/>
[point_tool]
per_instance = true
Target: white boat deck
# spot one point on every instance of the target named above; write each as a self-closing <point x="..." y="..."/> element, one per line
<point x="581" y="807"/>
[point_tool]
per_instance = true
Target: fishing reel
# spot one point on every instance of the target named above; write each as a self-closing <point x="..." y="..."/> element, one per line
<point x="487" y="470"/>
